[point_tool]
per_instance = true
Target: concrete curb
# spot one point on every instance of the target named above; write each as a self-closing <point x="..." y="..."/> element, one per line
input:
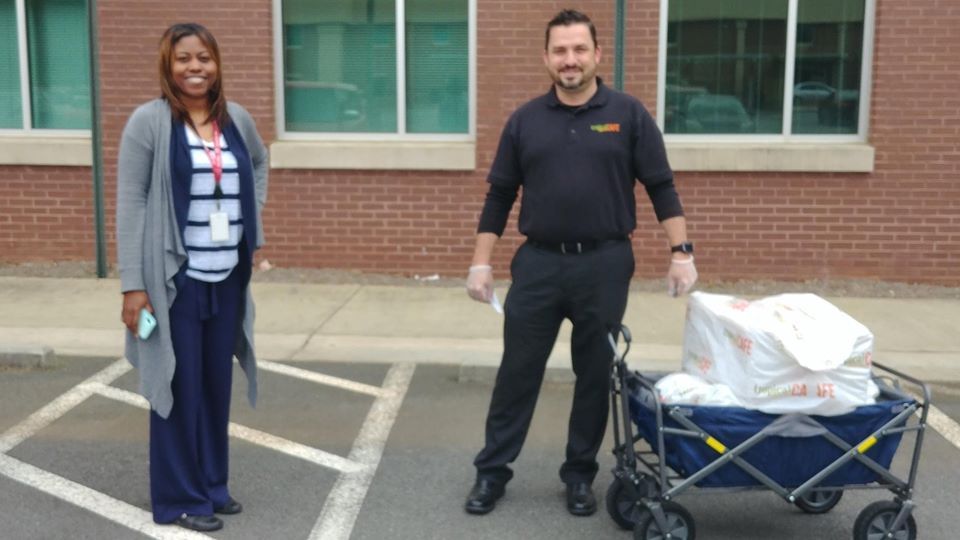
<point x="34" y="356"/>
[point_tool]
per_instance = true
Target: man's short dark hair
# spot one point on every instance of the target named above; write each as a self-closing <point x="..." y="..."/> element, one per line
<point x="569" y="17"/>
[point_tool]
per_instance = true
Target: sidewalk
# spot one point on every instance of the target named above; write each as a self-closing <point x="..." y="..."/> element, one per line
<point x="433" y="324"/>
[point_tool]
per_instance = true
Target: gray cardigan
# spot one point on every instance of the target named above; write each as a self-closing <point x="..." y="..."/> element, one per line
<point x="150" y="250"/>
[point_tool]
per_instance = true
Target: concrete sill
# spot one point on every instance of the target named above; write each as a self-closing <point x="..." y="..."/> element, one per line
<point x="61" y="151"/>
<point x="743" y="157"/>
<point x="380" y="155"/>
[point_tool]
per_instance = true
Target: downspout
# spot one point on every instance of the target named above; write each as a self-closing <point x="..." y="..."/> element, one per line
<point x="618" y="46"/>
<point x="95" y="140"/>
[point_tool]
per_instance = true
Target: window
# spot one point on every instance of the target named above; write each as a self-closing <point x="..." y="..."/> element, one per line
<point x="44" y="65"/>
<point x="395" y="68"/>
<point x="764" y="67"/>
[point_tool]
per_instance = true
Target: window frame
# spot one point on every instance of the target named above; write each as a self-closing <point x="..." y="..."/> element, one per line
<point x="26" y="104"/>
<point x="400" y="136"/>
<point x="785" y="137"/>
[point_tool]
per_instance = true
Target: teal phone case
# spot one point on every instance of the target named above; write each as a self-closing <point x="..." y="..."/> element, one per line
<point x="146" y="324"/>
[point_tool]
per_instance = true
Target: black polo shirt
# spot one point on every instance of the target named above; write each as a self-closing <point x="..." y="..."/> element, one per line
<point x="578" y="166"/>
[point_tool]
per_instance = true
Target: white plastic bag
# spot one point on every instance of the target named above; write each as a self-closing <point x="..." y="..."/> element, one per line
<point x="684" y="388"/>
<point x="781" y="354"/>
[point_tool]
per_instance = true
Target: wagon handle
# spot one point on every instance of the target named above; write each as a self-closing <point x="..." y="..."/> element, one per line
<point x="927" y="396"/>
<point x="612" y="339"/>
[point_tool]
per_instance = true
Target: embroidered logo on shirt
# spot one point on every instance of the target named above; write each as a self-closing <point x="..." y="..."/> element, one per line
<point x="605" y="128"/>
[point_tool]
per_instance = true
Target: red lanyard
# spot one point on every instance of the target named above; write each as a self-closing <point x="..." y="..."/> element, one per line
<point x="216" y="158"/>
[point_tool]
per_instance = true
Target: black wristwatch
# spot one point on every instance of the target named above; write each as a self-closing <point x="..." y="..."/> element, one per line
<point x="686" y="247"/>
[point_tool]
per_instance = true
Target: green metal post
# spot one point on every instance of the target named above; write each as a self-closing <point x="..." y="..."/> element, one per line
<point x="95" y="140"/>
<point x="618" y="46"/>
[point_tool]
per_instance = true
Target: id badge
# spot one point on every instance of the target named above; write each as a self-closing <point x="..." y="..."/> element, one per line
<point x="219" y="227"/>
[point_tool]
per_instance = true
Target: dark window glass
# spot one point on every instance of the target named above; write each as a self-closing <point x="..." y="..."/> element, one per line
<point x="340" y="66"/>
<point x="10" y="105"/>
<point x="59" y="51"/>
<point x="437" y="64"/>
<point x="826" y="91"/>
<point x="725" y="66"/>
<point x="340" y="69"/>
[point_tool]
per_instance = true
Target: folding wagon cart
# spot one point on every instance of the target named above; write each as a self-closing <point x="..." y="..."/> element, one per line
<point x="805" y="459"/>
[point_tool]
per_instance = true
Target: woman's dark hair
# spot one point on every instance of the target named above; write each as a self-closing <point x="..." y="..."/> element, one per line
<point x="169" y="89"/>
<point x="569" y="17"/>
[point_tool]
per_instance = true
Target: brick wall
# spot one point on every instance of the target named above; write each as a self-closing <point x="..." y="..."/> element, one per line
<point x="899" y="223"/>
<point x="46" y="213"/>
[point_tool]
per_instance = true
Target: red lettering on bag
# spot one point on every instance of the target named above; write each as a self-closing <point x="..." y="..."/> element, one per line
<point x="704" y="364"/>
<point x="826" y="390"/>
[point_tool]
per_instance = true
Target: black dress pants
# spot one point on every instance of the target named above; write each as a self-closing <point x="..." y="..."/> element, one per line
<point x="590" y="289"/>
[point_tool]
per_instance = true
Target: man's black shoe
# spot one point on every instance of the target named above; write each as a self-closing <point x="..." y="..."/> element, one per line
<point x="483" y="497"/>
<point x="580" y="499"/>
<point x="232" y="507"/>
<point x="200" y="523"/>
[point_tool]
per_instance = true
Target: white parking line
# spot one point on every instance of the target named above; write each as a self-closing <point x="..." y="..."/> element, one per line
<point x="343" y="503"/>
<point x="320" y="378"/>
<point x="284" y="446"/>
<point x="60" y="406"/>
<point x="98" y="503"/>
<point x="247" y="434"/>
<point x="117" y="394"/>
<point x="944" y="425"/>
<point x="937" y="419"/>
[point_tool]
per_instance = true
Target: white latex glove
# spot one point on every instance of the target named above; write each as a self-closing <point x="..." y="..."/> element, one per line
<point x="480" y="283"/>
<point x="681" y="276"/>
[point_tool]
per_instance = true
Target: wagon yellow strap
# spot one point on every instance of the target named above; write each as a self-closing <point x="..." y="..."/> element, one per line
<point x="865" y="445"/>
<point x="716" y="445"/>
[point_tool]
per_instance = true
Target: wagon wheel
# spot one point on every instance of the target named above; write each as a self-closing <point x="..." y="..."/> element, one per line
<point x="679" y="524"/>
<point x="876" y="520"/>
<point x="625" y="510"/>
<point x="819" y="502"/>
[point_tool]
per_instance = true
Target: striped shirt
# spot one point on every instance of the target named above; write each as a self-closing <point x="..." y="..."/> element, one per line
<point x="208" y="260"/>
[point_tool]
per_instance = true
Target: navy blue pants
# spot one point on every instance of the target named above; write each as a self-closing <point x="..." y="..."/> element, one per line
<point x="188" y="450"/>
<point x="590" y="289"/>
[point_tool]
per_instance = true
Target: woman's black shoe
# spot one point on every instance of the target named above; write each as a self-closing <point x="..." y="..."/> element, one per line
<point x="200" y="523"/>
<point x="232" y="507"/>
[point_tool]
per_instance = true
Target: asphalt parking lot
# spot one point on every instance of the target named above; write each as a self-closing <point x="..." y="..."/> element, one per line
<point x="361" y="451"/>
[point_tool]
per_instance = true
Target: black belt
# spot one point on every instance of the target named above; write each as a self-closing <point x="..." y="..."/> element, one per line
<point x="573" y="248"/>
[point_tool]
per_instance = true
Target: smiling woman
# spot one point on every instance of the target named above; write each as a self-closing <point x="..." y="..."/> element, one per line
<point x="193" y="156"/>
<point x="190" y="77"/>
<point x="193" y="68"/>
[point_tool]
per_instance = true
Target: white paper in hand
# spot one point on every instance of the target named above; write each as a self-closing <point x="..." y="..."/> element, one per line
<point x="495" y="303"/>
